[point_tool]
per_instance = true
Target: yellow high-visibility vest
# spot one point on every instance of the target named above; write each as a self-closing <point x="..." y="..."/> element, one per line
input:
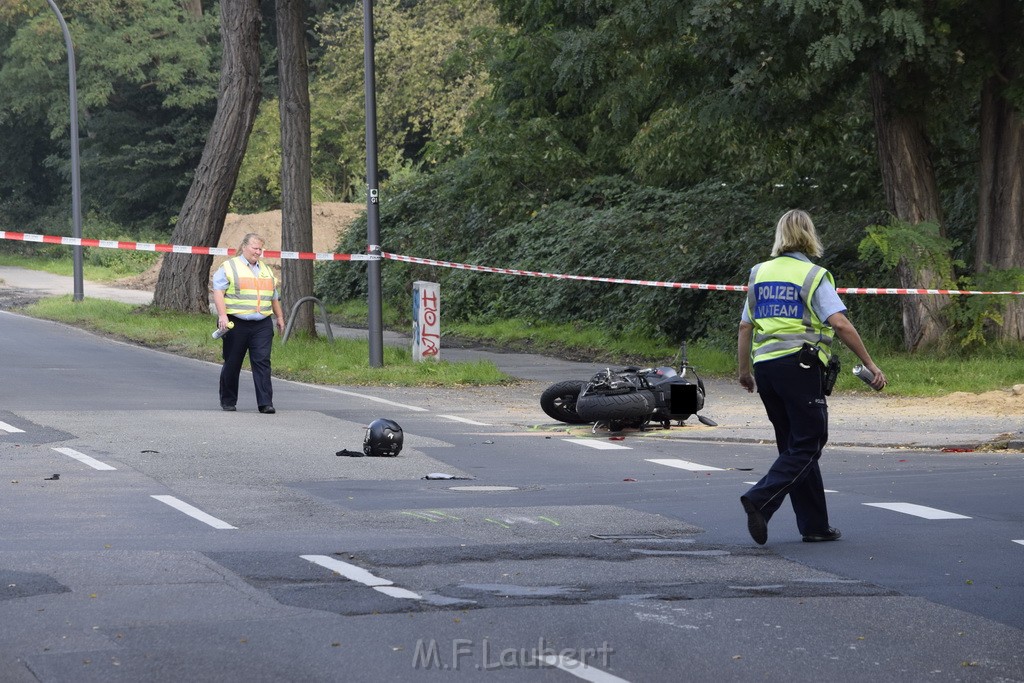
<point x="247" y="293"/>
<point x="779" y="306"/>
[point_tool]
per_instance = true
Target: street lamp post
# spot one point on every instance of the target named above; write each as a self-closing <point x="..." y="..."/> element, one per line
<point x="76" y="181"/>
<point x="373" y="285"/>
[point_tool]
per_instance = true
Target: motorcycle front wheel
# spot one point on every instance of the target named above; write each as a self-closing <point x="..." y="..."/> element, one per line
<point x="559" y="401"/>
<point x="617" y="407"/>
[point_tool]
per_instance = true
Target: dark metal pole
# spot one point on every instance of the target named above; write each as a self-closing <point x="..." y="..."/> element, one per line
<point x="76" y="181"/>
<point x="373" y="287"/>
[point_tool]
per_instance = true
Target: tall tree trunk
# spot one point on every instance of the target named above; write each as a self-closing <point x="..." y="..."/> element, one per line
<point x="913" y="197"/>
<point x="296" y="209"/>
<point x="999" y="232"/>
<point x="184" y="282"/>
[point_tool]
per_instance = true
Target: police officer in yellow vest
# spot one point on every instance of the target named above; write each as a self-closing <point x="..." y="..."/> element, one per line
<point x="790" y="317"/>
<point x="246" y="294"/>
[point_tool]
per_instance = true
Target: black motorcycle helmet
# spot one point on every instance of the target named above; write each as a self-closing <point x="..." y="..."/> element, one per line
<point x="383" y="438"/>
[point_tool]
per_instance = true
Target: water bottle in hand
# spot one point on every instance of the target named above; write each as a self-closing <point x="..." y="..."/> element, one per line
<point x="218" y="333"/>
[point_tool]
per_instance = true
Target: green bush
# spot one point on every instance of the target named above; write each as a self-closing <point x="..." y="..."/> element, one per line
<point x="609" y="228"/>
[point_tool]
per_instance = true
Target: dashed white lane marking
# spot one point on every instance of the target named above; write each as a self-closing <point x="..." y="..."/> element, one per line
<point x="360" y="575"/>
<point x="685" y="465"/>
<point x="10" y="429"/>
<point x="194" y="512"/>
<point x="82" y="457"/>
<point x="375" y="399"/>
<point x="918" y="510"/>
<point x="465" y="420"/>
<point x="580" y="669"/>
<point x="396" y="592"/>
<point x="598" y="444"/>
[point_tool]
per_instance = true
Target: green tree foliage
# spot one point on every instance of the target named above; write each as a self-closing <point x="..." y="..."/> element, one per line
<point x="146" y="84"/>
<point x="657" y="90"/>
<point x="908" y="54"/>
<point x="572" y="135"/>
<point x="922" y="244"/>
<point x="609" y="227"/>
<point x="976" y="319"/>
<point x="428" y="76"/>
<point x="611" y="145"/>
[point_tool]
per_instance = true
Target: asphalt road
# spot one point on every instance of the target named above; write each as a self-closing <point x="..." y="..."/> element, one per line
<point x="147" y="535"/>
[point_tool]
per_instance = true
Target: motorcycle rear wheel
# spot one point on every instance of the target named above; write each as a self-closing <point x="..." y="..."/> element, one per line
<point x="559" y="401"/>
<point x="615" y="407"/>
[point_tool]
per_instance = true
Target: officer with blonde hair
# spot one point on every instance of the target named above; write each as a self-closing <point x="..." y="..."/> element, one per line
<point x="246" y="294"/>
<point x="791" y="315"/>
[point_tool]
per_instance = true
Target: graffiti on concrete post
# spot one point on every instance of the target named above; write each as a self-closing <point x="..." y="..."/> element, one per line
<point x="426" y="320"/>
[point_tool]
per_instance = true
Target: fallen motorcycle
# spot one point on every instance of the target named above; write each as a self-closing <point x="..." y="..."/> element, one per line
<point x="630" y="397"/>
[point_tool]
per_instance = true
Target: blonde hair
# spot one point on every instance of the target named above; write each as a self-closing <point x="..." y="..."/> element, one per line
<point x="795" y="232"/>
<point x="250" y="237"/>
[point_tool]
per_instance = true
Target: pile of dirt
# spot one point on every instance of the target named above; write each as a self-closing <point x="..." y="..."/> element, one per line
<point x="330" y="221"/>
<point x="1000" y="403"/>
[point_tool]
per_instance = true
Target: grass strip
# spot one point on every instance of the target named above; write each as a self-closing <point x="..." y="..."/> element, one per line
<point x="317" y="361"/>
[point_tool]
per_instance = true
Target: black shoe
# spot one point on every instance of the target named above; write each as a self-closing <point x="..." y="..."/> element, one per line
<point x="830" y="535"/>
<point x="225" y="406"/>
<point x="757" y="525"/>
<point x="267" y="410"/>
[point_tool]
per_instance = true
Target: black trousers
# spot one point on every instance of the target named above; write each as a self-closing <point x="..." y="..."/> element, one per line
<point x="254" y="337"/>
<point x="795" y="402"/>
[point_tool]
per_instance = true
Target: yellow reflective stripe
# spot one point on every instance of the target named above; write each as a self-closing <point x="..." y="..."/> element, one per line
<point x="805" y="294"/>
<point x="780" y="348"/>
<point x="802" y="336"/>
<point x="234" y="271"/>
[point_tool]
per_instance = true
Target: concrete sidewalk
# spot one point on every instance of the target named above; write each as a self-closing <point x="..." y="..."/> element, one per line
<point x="58" y="285"/>
<point x="856" y="419"/>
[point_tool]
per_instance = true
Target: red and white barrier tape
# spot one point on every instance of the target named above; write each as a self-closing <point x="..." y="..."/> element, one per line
<point x="673" y="285"/>
<point x="561" y="276"/>
<point x="177" y="248"/>
<point x="902" y="290"/>
<point x="321" y="256"/>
